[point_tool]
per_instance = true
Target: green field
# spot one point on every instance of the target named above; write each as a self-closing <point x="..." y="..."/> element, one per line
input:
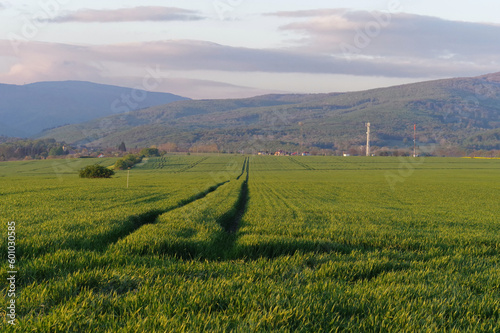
<point x="255" y="243"/>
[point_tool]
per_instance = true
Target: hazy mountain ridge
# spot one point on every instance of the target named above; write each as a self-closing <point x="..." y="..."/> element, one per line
<point x="28" y="109"/>
<point x="447" y="112"/>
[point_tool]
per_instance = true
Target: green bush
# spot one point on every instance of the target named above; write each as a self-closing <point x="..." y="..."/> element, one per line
<point x="150" y="152"/>
<point x="127" y="162"/>
<point x="96" y="171"/>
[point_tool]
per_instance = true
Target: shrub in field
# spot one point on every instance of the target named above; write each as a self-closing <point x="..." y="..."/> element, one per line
<point x="148" y="152"/>
<point x="127" y="162"/>
<point x="96" y="171"/>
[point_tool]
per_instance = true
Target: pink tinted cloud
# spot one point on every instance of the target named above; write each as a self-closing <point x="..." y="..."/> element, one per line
<point x="144" y="13"/>
<point x="47" y="62"/>
<point x="39" y="61"/>
<point x="391" y="35"/>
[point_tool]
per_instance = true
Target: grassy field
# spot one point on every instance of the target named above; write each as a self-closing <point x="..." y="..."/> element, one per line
<point x="256" y="243"/>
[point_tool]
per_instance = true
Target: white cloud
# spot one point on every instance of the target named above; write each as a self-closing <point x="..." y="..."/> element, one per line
<point x="145" y="13"/>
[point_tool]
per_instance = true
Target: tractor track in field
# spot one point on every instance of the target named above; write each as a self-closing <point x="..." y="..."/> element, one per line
<point x="104" y="242"/>
<point x="192" y="165"/>
<point x="234" y="218"/>
<point x="221" y="243"/>
<point x="230" y="221"/>
<point x="134" y="222"/>
<point x="243" y="168"/>
<point x="302" y="164"/>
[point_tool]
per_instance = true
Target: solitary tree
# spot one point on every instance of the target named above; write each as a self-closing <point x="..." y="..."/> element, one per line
<point x="122" y="147"/>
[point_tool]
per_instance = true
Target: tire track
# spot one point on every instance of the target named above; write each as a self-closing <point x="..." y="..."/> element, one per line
<point x="302" y="164"/>
<point x="231" y="220"/>
<point x="134" y="222"/>
<point x="243" y="168"/>
<point x="192" y="165"/>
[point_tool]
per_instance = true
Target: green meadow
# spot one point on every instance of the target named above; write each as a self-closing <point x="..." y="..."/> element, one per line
<point x="254" y="244"/>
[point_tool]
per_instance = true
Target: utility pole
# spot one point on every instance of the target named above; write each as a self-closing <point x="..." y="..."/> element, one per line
<point x="301" y="124"/>
<point x="415" y="140"/>
<point x="128" y="174"/>
<point x="367" y="139"/>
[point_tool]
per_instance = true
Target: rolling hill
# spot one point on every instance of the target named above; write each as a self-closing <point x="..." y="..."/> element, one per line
<point x="28" y="109"/>
<point x="452" y="112"/>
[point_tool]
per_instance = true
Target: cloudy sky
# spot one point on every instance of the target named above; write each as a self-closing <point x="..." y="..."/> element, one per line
<point x="239" y="48"/>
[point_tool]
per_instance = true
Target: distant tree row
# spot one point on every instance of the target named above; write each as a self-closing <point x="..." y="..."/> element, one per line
<point x="20" y="149"/>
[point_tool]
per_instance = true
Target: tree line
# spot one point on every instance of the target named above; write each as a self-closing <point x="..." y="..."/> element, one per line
<point x="34" y="149"/>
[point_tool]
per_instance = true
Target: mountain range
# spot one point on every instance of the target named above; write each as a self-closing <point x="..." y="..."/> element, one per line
<point x="461" y="112"/>
<point x="26" y="110"/>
